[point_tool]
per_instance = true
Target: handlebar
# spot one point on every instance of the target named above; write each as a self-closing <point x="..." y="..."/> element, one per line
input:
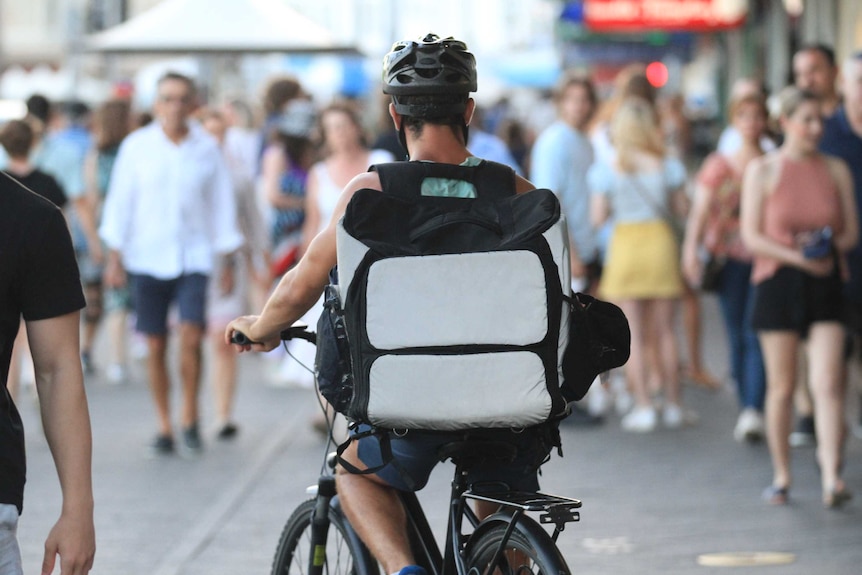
<point x="299" y="330"/>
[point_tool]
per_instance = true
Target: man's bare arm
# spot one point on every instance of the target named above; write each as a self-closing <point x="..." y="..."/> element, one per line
<point x="301" y="287"/>
<point x="66" y="421"/>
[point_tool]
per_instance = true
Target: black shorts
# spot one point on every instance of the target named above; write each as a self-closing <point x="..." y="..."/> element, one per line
<point x="792" y="300"/>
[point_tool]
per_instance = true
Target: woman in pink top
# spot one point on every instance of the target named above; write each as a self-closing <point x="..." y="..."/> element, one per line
<point x="713" y="225"/>
<point x="789" y="197"/>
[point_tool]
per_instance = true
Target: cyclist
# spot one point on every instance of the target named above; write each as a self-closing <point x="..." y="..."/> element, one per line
<point x="430" y="82"/>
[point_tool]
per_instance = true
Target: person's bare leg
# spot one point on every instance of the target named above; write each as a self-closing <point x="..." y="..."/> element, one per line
<point x="376" y="513"/>
<point x="635" y="367"/>
<point x="779" y="355"/>
<point x="825" y="365"/>
<point x="160" y="385"/>
<point x="191" y="337"/>
<point x="224" y="376"/>
<point x="663" y="312"/>
<point x="117" y="329"/>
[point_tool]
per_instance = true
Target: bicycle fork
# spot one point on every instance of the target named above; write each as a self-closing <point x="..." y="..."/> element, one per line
<point x="320" y="524"/>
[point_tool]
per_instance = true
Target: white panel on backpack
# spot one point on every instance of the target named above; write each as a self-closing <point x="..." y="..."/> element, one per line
<point x="350" y="253"/>
<point x="473" y="298"/>
<point x="450" y="392"/>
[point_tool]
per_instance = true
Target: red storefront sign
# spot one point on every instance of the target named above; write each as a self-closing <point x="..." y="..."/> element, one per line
<point x="640" y="15"/>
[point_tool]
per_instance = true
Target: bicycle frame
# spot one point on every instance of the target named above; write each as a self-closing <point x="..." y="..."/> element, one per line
<point x="556" y="510"/>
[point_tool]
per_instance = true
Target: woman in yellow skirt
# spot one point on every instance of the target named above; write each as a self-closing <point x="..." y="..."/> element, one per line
<point x="639" y="189"/>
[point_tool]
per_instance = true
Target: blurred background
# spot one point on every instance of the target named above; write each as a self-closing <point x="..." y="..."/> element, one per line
<point x="91" y="50"/>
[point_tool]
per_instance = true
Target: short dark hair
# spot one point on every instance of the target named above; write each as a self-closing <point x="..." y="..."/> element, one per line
<point x="824" y="50"/>
<point x="39" y="106"/>
<point x="16" y="137"/>
<point x="177" y="77"/>
<point x="76" y="111"/>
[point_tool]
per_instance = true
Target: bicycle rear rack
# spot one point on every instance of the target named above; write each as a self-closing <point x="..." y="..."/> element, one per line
<point x="552" y="508"/>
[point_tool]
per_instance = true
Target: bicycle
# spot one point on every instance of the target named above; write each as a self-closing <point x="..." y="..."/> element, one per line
<point x="318" y="538"/>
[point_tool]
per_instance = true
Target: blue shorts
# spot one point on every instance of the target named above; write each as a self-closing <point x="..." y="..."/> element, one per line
<point x="416" y="453"/>
<point x="153" y="297"/>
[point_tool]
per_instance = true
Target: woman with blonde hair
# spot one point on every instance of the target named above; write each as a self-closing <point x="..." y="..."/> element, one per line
<point x="799" y="219"/>
<point x="641" y="189"/>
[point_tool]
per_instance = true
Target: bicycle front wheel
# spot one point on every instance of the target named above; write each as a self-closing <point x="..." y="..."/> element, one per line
<point x="528" y="550"/>
<point x="345" y="552"/>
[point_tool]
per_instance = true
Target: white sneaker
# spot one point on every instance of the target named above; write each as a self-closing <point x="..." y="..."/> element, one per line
<point x="640" y="420"/>
<point x="749" y="427"/>
<point x="672" y="416"/>
<point x="598" y="398"/>
<point x="115" y="374"/>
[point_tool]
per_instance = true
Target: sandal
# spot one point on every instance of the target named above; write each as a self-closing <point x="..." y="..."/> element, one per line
<point x="836" y="498"/>
<point x="775" y="495"/>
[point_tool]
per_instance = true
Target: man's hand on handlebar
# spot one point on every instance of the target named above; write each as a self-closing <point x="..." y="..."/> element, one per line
<point x="237" y="332"/>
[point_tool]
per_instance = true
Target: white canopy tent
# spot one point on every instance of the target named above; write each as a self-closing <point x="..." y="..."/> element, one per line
<point x="217" y="27"/>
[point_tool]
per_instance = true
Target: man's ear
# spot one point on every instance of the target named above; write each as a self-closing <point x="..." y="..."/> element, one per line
<point x="396" y="117"/>
<point x="468" y="113"/>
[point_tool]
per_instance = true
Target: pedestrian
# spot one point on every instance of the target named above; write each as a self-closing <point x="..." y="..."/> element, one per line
<point x="345" y="155"/>
<point x="730" y="139"/>
<point x="284" y="177"/>
<point x="799" y="219"/>
<point x="642" y="189"/>
<point x="279" y="92"/>
<point x="842" y="137"/>
<point x="61" y="154"/>
<point x="39" y="281"/>
<point x="814" y="70"/>
<point x="559" y="161"/>
<point x="111" y="123"/>
<point x="169" y="212"/>
<point x="713" y="226"/>
<point x="225" y="302"/>
<point x="17" y="138"/>
<point x="489" y="146"/>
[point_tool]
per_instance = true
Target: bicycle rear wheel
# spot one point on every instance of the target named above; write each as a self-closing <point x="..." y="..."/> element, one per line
<point x="529" y="550"/>
<point x="345" y="552"/>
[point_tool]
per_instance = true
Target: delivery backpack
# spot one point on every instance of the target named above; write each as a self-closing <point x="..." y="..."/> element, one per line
<point x="449" y="313"/>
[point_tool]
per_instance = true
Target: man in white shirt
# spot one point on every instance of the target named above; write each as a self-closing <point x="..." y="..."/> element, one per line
<point x="169" y="212"/>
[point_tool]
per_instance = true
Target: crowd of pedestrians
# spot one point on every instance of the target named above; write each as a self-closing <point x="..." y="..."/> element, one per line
<point x="186" y="219"/>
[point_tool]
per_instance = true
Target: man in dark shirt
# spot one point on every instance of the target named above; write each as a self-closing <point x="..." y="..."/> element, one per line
<point x="39" y="281"/>
<point x="17" y="139"/>
<point x="842" y="137"/>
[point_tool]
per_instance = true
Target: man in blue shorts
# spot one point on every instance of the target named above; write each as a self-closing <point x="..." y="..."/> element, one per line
<point x="170" y="210"/>
<point x="432" y="124"/>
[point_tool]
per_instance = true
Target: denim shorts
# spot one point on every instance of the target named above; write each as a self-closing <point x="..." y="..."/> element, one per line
<point x="417" y="455"/>
<point x="10" y="553"/>
<point x="152" y="298"/>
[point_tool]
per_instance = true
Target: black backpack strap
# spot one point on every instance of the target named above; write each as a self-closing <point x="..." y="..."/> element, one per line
<point x="385" y="454"/>
<point x="492" y="180"/>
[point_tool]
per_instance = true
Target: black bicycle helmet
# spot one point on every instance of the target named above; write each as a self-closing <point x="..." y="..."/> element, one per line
<point x="432" y="66"/>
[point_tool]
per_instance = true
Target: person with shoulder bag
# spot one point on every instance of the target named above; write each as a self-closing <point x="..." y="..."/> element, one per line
<point x="641" y="271"/>
<point x="713" y="229"/>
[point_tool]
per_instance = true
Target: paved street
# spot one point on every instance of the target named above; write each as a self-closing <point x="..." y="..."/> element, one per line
<point x="652" y="503"/>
